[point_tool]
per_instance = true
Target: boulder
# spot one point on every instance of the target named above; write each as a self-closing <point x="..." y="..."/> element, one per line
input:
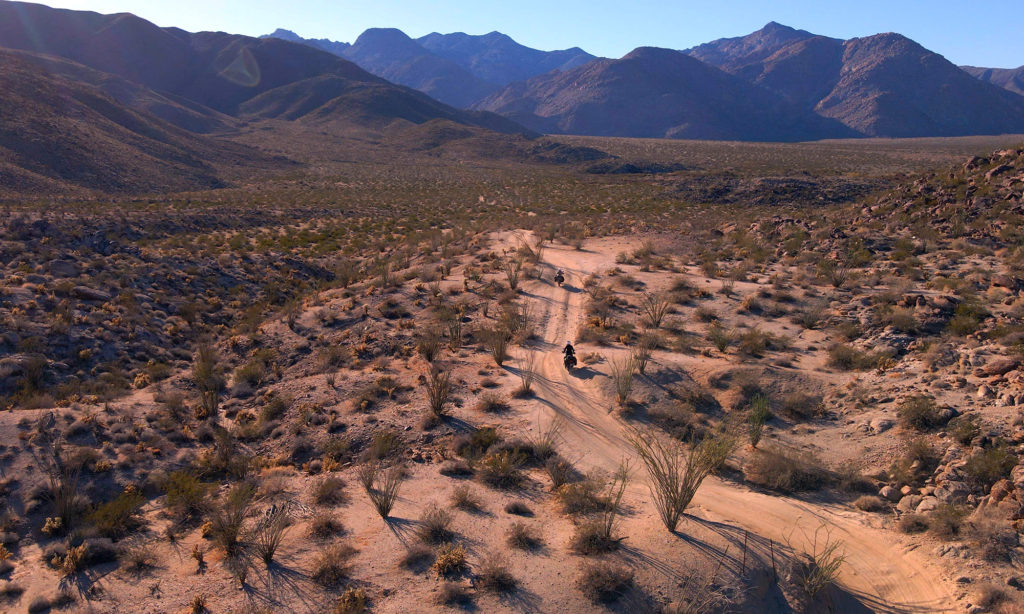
<point x="952" y="492"/>
<point x="927" y="504"/>
<point x="999" y="366"/>
<point x="86" y="293"/>
<point x="881" y="425"/>
<point x="1000" y="490"/>
<point x="62" y="268"/>
<point x="889" y="493"/>
<point x="909" y="503"/>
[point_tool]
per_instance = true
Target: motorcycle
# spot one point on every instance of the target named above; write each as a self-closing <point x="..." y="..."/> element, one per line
<point x="559" y="279"/>
<point x="569" y="362"/>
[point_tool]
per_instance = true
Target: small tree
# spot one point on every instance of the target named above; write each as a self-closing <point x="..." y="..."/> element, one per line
<point x="654" y="307"/>
<point x="759" y="413"/>
<point x="512" y="266"/>
<point x="622" y="370"/>
<point x="206" y="373"/>
<point x="527" y="373"/>
<point x="675" y="472"/>
<point x="439" y="390"/>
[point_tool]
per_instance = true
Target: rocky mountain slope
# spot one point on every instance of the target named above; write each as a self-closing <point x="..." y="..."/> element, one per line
<point x="1007" y="78"/>
<point x="883" y="85"/>
<point x="657" y="93"/>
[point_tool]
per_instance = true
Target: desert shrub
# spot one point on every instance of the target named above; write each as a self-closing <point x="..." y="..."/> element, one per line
<point x="989" y="465"/>
<point x="464" y="499"/>
<point x="654" y="308"/>
<point x="621" y="371"/>
<point x="947" y="520"/>
<point x="521" y="535"/>
<point x="492" y="403"/>
<point x="785" y="470"/>
<point x="849" y="358"/>
<point x="352" y="601"/>
<point x="381" y="486"/>
<point x="917" y="462"/>
<point x="560" y="471"/>
<point x="919" y="412"/>
<point x="820" y="568"/>
<point x="719" y="336"/>
<point x="597" y="535"/>
<point x="209" y="380"/>
<point x="869" y="503"/>
<point x="580" y="498"/>
<point x="477" y="443"/>
<point x="993" y="538"/>
<point x="435" y="525"/>
<point x="137" y="558"/>
<point x="450" y="560"/>
<point x="383" y="444"/>
<point x="603" y="582"/>
<point x="428" y="344"/>
<point x="325" y="525"/>
<point x="186" y="495"/>
<point x="963" y="429"/>
<point x="990" y="596"/>
<point x="913" y="523"/>
<point x="454" y="595"/>
<point x="675" y="473"/>
<point x="227" y="517"/>
<point x="494" y="575"/>
<point x="330" y="491"/>
<point x="800" y="406"/>
<point x="439" y="391"/>
<point x="331" y="564"/>
<point x="502" y="469"/>
<point x="518" y="508"/>
<point x="497" y="341"/>
<point x="456" y="468"/>
<point x="269" y="531"/>
<point x="117" y="517"/>
<point x="527" y="375"/>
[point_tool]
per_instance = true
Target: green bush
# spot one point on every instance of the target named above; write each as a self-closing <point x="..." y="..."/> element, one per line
<point x="919" y="412"/>
<point x="117" y="517"/>
<point x="186" y="495"/>
<point x="987" y="467"/>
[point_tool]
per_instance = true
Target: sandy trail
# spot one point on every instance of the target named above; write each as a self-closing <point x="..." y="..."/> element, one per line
<point x="881" y="573"/>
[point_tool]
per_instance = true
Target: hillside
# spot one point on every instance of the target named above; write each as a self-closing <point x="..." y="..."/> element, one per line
<point x="656" y="93"/>
<point x="58" y="134"/>
<point x="1011" y="79"/>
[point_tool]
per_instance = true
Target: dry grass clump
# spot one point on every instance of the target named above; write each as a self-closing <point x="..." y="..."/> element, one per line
<point x="869" y="503"/>
<point x="381" y="485"/>
<point x="331" y="565"/>
<point x="494" y="575"/>
<point x="523" y="536"/>
<point x="465" y="499"/>
<point x="454" y="595"/>
<point x="330" y="491"/>
<point x="491" y="403"/>
<point x="435" y="525"/>
<point x="913" y="523"/>
<point x="920" y="413"/>
<point x="604" y="582"/>
<point x="785" y="470"/>
<point x="518" y="508"/>
<point x="325" y="525"/>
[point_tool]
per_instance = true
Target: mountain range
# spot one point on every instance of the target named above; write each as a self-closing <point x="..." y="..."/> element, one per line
<point x="116" y="103"/>
<point x="795" y="85"/>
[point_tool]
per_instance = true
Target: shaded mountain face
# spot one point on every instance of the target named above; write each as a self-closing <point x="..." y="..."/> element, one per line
<point x="57" y="132"/>
<point x="390" y="54"/>
<point x="1011" y="79"/>
<point x="214" y="72"/>
<point x="657" y="93"/>
<point x="498" y="59"/>
<point x="884" y="85"/>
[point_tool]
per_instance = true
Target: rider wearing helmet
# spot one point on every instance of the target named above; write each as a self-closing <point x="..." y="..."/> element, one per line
<point x="568" y="350"/>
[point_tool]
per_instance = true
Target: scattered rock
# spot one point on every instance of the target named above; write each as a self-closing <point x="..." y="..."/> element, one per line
<point x="89" y="294"/>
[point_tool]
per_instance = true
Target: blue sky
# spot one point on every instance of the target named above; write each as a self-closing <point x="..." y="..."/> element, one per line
<point x="988" y="34"/>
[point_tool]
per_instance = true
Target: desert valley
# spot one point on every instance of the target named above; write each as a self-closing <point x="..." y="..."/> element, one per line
<point x="283" y="324"/>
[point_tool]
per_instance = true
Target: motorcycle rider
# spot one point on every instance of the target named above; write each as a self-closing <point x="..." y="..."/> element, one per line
<point x="568" y="350"/>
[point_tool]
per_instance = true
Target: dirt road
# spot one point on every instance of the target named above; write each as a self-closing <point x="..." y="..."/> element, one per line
<point x="882" y="573"/>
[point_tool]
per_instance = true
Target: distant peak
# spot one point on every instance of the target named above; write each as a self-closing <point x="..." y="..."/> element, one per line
<point x="774" y="25"/>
